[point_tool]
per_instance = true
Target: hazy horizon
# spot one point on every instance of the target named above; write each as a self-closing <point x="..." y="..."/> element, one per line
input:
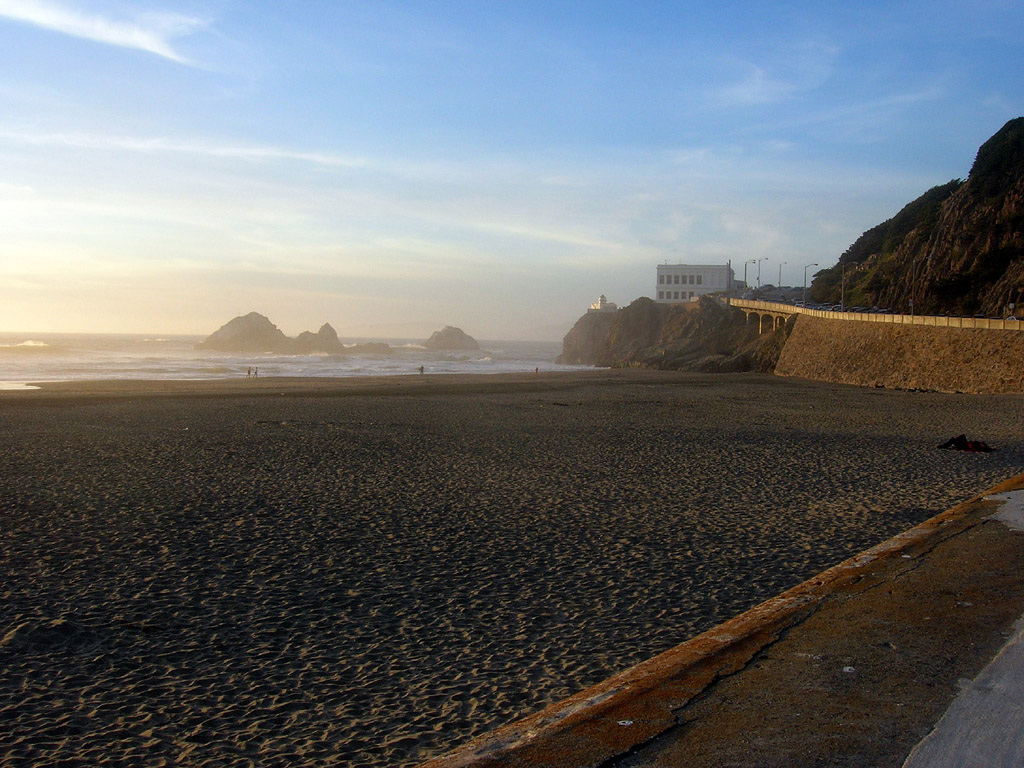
<point x="391" y="168"/>
<point x="31" y="335"/>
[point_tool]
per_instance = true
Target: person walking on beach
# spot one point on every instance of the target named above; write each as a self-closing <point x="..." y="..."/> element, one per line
<point x="248" y="373"/>
<point x="421" y="369"/>
<point x="256" y="372"/>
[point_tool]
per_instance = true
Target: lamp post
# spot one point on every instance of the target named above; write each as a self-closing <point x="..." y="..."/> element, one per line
<point x="745" y="286"/>
<point x="780" y="273"/>
<point x="759" y="270"/>
<point x="805" y="280"/>
<point x="842" y="293"/>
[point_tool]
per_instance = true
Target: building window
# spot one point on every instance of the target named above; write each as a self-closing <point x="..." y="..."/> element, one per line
<point x="700" y="279"/>
<point x="691" y="295"/>
<point x="691" y="279"/>
<point x="661" y="279"/>
<point x="661" y="294"/>
<point x="676" y="279"/>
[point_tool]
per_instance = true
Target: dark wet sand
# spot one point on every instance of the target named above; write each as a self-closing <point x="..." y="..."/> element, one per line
<point x="369" y="572"/>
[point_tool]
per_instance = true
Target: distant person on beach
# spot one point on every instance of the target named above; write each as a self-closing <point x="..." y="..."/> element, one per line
<point x="421" y="369"/>
<point x="256" y="373"/>
<point x="248" y="374"/>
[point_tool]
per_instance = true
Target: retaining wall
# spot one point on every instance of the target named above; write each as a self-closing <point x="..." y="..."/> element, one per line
<point x="904" y="356"/>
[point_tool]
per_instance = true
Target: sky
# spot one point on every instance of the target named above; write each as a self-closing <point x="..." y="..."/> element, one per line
<point x="394" y="167"/>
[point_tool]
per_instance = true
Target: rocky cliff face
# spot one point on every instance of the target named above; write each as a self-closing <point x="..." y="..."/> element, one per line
<point x="699" y="336"/>
<point x="587" y="342"/>
<point x="959" y="249"/>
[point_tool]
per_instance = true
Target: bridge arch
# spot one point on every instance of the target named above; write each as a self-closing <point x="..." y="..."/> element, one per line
<point x="767" y="320"/>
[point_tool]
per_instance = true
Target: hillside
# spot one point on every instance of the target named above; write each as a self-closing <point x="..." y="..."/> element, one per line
<point x="957" y="249"/>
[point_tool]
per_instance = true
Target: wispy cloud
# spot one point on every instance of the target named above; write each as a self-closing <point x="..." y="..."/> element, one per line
<point x="789" y="71"/>
<point x="154" y="33"/>
<point x="160" y="144"/>
<point x="858" y="118"/>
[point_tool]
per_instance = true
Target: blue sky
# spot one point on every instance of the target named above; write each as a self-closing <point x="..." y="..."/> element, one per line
<point x="392" y="167"/>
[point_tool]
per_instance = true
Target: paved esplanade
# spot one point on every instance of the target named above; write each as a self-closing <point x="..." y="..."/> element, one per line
<point x="984" y="727"/>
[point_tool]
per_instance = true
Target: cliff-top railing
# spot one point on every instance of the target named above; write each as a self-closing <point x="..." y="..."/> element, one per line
<point x="941" y="321"/>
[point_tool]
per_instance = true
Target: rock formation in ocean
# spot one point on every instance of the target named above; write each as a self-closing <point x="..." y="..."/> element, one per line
<point x="958" y="249"/>
<point x="249" y="333"/>
<point x="450" y="338"/>
<point x="255" y="333"/>
<point x="704" y="335"/>
<point x="324" y="341"/>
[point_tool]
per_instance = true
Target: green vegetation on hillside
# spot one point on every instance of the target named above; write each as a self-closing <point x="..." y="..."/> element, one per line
<point x="957" y="249"/>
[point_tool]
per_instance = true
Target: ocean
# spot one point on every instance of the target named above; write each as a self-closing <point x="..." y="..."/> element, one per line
<point x="32" y="358"/>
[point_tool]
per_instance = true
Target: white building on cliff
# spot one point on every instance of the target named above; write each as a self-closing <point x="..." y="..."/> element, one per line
<point x="688" y="282"/>
<point x="603" y="305"/>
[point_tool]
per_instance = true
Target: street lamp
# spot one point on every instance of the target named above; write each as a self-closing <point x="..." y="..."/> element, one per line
<point x="842" y="293"/>
<point x="745" y="286"/>
<point x="780" y="273"/>
<point x="759" y="270"/>
<point x="805" y="280"/>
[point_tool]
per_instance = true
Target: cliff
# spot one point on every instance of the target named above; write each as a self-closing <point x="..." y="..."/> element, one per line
<point x="702" y="336"/>
<point x="958" y="249"/>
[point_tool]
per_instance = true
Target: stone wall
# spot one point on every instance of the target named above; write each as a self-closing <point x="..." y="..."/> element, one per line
<point x="904" y="356"/>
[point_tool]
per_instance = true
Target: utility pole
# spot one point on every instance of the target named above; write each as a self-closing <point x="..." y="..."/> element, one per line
<point x="842" y="293"/>
<point x="805" y="280"/>
<point x="780" y="273"/>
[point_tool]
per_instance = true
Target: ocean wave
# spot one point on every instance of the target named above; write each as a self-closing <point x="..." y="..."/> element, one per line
<point x="65" y="357"/>
<point x="29" y="346"/>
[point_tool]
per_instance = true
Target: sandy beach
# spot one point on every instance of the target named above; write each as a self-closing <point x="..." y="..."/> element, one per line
<point x="368" y="572"/>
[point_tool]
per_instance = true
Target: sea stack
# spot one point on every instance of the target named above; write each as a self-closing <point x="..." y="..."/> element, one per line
<point x="248" y="333"/>
<point x="255" y="333"/>
<point x="324" y="341"/>
<point x="451" y="338"/>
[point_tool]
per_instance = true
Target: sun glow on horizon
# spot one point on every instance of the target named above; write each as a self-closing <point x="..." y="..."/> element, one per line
<point x="408" y="167"/>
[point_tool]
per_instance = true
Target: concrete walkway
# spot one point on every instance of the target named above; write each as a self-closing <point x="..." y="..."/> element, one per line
<point x="984" y="727"/>
<point x="852" y="668"/>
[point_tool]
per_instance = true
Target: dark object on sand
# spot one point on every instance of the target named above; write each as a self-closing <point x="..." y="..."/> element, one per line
<point x="961" y="443"/>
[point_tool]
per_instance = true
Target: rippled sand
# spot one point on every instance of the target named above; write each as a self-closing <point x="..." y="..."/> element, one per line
<point x="369" y="575"/>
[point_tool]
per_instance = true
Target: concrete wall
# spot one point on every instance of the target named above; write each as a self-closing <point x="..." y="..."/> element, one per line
<point x="904" y="356"/>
